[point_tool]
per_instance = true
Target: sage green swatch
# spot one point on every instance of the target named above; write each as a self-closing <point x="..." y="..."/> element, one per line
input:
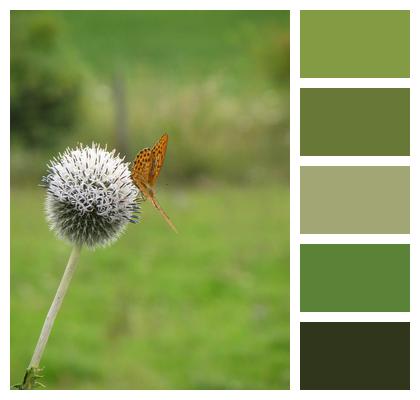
<point x="358" y="199"/>
<point x="355" y="278"/>
<point x="355" y="44"/>
<point x="355" y="122"/>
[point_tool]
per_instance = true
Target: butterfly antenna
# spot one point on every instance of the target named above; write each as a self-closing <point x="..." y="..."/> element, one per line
<point x="164" y="215"/>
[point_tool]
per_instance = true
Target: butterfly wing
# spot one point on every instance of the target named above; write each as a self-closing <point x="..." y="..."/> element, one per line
<point x="157" y="158"/>
<point x="145" y="171"/>
<point x="141" y="170"/>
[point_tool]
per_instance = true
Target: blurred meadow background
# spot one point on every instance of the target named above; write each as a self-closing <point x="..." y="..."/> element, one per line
<point x="205" y="309"/>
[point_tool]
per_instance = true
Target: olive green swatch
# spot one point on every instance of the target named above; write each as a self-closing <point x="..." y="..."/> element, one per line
<point x="354" y="200"/>
<point x="355" y="278"/>
<point x="355" y="122"/>
<point x="355" y="44"/>
<point x="355" y="355"/>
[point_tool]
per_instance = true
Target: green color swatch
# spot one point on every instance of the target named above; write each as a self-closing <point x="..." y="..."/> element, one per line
<point x="355" y="200"/>
<point x="355" y="277"/>
<point x="355" y="355"/>
<point x="355" y="44"/>
<point x="355" y="122"/>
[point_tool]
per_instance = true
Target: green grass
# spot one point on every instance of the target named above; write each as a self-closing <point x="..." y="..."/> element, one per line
<point x="205" y="309"/>
<point x="174" y="44"/>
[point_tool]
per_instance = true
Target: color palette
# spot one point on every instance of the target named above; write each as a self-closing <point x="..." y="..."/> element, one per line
<point x="355" y="44"/>
<point x="355" y="355"/>
<point x="355" y="200"/>
<point x="354" y="277"/>
<point x="355" y="122"/>
<point x="354" y="206"/>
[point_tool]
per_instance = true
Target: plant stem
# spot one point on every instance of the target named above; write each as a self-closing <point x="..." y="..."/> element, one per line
<point x="55" y="307"/>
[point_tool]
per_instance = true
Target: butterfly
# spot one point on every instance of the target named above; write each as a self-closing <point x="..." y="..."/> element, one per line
<point x="145" y="171"/>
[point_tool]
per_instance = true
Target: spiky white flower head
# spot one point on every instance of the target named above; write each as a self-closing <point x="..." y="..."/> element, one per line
<point x="90" y="196"/>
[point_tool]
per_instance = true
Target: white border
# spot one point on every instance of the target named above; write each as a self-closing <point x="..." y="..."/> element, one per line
<point x="5" y="206"/>
<point x="294" y="199"/>
<point x="414" y="199"/>
<point x="294" y="5"/>
<point x="296" y="83"/>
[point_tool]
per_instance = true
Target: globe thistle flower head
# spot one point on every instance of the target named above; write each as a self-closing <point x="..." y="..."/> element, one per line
<point x="90" y="196"/>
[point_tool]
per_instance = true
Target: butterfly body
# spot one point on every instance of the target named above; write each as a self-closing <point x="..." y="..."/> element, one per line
<point x="145" y="171"/>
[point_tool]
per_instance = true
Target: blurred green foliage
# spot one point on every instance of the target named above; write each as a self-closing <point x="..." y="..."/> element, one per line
<point x="45" y="82"/>
<point x="180" y="45"/>
<point x="217" y="82"/>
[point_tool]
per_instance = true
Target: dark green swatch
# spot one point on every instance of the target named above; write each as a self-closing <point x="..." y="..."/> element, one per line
<point x="355" y="277"/>
<point x="355" y="44"/>
<point x="355" y="122"/>
<point x="355" y="355"/>
<point x="355" y="200"/>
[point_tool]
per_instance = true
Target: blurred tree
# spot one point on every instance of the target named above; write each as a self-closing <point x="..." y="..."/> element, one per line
<point x="274" y="56"/>
<point x="45" y="81"/>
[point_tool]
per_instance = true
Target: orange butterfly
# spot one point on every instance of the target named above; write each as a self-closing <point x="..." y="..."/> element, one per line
<point x="146" y="169"/>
